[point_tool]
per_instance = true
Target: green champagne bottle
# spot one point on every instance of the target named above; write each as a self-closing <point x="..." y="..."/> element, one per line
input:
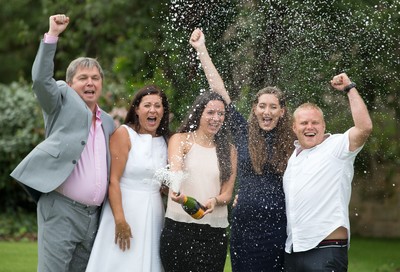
<point x="193" y="207"/>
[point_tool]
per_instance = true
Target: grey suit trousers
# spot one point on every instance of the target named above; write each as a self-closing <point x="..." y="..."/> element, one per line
<point x="66" y="233"/>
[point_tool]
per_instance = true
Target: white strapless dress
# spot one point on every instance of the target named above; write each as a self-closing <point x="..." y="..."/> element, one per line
<point x="143" y="209"/>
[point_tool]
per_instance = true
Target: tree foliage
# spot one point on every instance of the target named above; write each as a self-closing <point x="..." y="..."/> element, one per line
<point x="296" y="45"/>
<point x="21" y="125"/>
<point x="300" y="46"/>
<point x="18" y="43"/>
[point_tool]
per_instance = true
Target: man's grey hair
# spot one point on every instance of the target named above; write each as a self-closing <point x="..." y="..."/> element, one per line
<point x="82" y="62"/>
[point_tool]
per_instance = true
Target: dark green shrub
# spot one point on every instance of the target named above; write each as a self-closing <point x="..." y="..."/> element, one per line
<point x="21" y="126"/>
<point x="18" y="225"/>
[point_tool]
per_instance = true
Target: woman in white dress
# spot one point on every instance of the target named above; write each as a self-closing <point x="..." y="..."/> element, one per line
<point x="128" y="238"/>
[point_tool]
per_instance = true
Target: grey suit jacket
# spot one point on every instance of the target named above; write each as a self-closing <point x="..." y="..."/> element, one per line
<point x="67" y="123"/>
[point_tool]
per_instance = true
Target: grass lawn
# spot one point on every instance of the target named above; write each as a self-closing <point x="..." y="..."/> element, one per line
<point x="375" y="255"/>
<point x="365" y="255"/>
<point x="368" y="255"/>
<point x="18" y="256"/>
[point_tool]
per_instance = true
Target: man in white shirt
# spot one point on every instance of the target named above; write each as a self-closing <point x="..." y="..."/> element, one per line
<point x="317" y="185"/>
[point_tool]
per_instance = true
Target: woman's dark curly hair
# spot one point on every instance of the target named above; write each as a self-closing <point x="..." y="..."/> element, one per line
<point x="222" y="138"/>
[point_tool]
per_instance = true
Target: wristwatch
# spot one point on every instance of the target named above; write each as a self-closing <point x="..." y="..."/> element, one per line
<point x="349" y="87"/>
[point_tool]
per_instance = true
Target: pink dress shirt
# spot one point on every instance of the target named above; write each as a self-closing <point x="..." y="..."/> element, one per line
<point x="88" y="181"/>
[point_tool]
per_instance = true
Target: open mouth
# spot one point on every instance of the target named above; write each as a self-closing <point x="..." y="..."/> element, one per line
<point x="89" y="92"/>
<point x="215" y="125"/>
<point x="214" y="128"/>
<point x="267" y="120"/>
<point x="310" y="134"/>
<point x="152" y="120"/>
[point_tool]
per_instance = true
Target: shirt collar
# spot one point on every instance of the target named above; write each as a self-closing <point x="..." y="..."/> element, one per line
<point x="299" y="148"/>
<point x="98" y="112"/>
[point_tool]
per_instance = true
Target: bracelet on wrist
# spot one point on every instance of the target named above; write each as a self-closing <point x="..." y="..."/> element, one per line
<point x="349" y="87"/>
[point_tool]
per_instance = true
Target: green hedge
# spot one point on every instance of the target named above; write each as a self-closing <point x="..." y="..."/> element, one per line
<point x="21" y="126"/>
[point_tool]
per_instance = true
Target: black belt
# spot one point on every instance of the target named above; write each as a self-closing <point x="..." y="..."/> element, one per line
<point x="333" y="243"/>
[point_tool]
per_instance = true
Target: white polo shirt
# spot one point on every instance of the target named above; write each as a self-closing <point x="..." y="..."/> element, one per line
<point x="317" y="186"/>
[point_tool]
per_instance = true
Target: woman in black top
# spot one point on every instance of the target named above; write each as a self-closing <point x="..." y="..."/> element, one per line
<point x="264" y="144"/>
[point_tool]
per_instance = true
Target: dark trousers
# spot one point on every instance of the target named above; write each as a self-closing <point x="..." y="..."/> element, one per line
<point x="329" y="259"/>
<point x="192" y="247"/>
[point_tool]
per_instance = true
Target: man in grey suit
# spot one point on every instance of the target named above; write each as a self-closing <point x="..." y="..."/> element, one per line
<point x="67" y="174"/>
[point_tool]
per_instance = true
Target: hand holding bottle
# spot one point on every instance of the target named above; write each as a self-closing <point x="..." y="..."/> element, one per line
<point x="210" y="205"/>
<point x="190" y="205"/>
<point x="177" y="197"/>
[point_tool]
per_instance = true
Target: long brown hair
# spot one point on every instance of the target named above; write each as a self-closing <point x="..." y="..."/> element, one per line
<point x="277" y="154"/>
<point x="221" y="139"/>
